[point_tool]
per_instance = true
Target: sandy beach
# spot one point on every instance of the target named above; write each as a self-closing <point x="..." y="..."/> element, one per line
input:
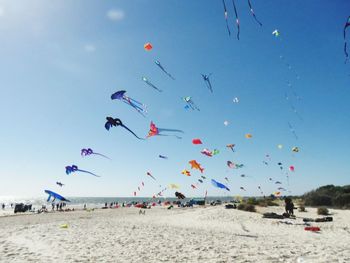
<point x="211" y="234"/>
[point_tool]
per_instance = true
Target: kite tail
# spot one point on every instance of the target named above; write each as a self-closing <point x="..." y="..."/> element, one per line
<point x="103" y="155"/>
<point x="252" y="11"/>
<point x="83" y="171"/>
<point x="346" y="53"/>
<point x="131" y="132"/>
<point x="153" y="86"/>
<point x="169" y="130"/>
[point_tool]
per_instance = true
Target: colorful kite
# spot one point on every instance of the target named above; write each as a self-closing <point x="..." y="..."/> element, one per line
<point x="207" y="82"/>
<point x="231" y="165"/>
<point x="190" y="103"/>
<point x="291" y="168"/>
<point x="219" y="185"/>
<point x="89" y="151"/>
<point x="345" y="43"/>
<point x="186" y="172"/>
<point x="150" y="84"/>
<point x="174" y="186"/>
<point x="74" y="168"/>
<point x="55" y="196"/>
<point x="295" y="149"/>
<point x="138" y="106"/>
<point x="207" y="152"/>
<point x="147" y="46"/>
<point x="154" y="130"/>
<point x="163" y="69"/>
<point x="248" y="136"/>
<point x="231" y="146"/>
<point x="117" y="122"/>
<point x="193" y="186"/>
<point x="196" y="141"/>
<point x="195" y="165"/>
<point x="276" y="33"/>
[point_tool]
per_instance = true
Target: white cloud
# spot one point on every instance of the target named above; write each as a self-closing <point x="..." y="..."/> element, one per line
<point x="115" y="14"/>
<point x="89" y="48"/>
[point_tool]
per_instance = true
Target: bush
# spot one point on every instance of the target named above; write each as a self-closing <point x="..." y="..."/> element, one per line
<point x="342" y="200"/>
<point x="252" y="201"/>
<point x="302" y="208"/>
<point x="246" y="207"/>
<point x="318" y="199"/>
<point x="322" y="211"/>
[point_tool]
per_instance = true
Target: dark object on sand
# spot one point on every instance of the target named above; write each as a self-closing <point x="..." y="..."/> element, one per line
<point x="273" y="216"/>
<point x="230" y="206"/>
<point x="312" y="228"/>
<point x="21" y="208"/>
<point x="318" y="220"/>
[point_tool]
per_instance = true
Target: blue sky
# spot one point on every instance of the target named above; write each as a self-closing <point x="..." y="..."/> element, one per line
<point x="61" y="61"/>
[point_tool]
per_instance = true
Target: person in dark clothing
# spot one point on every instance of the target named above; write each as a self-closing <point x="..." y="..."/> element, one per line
<point x="289" y="206"/>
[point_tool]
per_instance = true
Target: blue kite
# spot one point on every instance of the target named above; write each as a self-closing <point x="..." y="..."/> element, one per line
<point x="55" y="196"/>
<point x="219" y="185"/>
<point x="74" y="168"/>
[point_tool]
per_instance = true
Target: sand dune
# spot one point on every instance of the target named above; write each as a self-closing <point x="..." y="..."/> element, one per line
<point x="211" y="234"/>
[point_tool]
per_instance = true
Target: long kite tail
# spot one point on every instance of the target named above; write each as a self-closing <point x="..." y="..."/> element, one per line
<point x="103" y="155"/>
<point x="153" y="86"/>
<point x="169" y="130"/>
<point x="83" y="171"/>
<point x="225" y="13"/>
<point x="252" y="11"/>
<point x="345" y="43"/>
<point x="237" y="19"/>
<point x="131" y="132"/>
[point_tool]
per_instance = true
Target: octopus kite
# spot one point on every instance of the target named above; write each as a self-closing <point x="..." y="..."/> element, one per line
<point x="74" y="168"/>
<point x="117" y="122"/>
<point x="89" y="151"/>
<point x="154" y="130"/>
<point x="138" y="106"/>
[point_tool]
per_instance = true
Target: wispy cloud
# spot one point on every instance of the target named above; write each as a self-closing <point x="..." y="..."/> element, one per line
<point x="89" y="48"/>
<point x="115" y="14"/>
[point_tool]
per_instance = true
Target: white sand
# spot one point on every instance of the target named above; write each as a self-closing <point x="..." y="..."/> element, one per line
<point x="211" y="234"/>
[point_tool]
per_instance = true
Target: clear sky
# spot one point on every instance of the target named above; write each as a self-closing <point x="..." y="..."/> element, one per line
<point x="62" y="60"/>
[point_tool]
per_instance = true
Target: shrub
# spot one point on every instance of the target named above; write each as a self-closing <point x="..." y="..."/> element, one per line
<point x="322" y="211"/>
<point x="342" y="200"/>
<point x="246" y="207"/>
<point x="318" y="199"/>
<point x="252" y="201"/>
<point x="302" y="208"/>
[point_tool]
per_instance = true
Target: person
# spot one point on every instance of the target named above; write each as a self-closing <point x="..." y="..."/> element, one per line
<point x="289" y="206"/>
<point x="3" y="206"/>
<point x="84" y="206"/>
<point x="57" y="205"/>
<point x="53" y="206"/>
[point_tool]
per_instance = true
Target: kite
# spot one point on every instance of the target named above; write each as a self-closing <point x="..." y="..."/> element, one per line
<point x="225" y="14"/>
<point x="200" y="180"/>
<point x="203" y="177"/>
<point x="219" y="185"/>
<point x="150" y="84"/>
<point x="186" y="172"/>
<point x="117" y="122"/>
<point x="163" y="157"/>
<point x="190" y="103"/>
<point x="226" y="123"/>
<point x="278" y="182"/>
<point x="179" y="195"/>
<point x="280" y="146"/>
<point x="193" y="186"/>
<point x="174" y="186"/>
<point x="150" y="175"/>
<point x="295" y="149"/>
<point x="163" y="69"/>
<point x="237" y="19"/>
<point x="215" y="152"/>
<point x="74" y="168"/>
<point x="253" y="14"/>
<point x="230" y="164"/>
<point x="156" y="131"/>
<point x="55" y="196"/>
<point x="248" y="136"/>
<point x="266" y="163"/>
<point x="138" y="106"/>
<point x="226" y="179"/>
<point x="281" y="188"/>
<point x="231" y="146"/>
<point x="60" y="184"/>
<point x="276" y="33"/>
<point x="207" y="152"/>
<point x="207" y="82"/>
<point x="196" y="141"/>
<point x="89" y="151"/>
<point x="195" y="165"/>
<point x="345" y="43"/>
<point x="244" y="176"/>
<point x="147" y="46"/>
<point x="242" y="188"/>
<point x="291" y="168"/>
<point x="235" y="100"/>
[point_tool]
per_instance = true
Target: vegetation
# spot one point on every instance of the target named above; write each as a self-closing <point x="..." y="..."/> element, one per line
<point x="329" y="195"/>
<point x="246" y="207"/>
<point x="322" y="211"/>
<point x="261" y="202"/>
